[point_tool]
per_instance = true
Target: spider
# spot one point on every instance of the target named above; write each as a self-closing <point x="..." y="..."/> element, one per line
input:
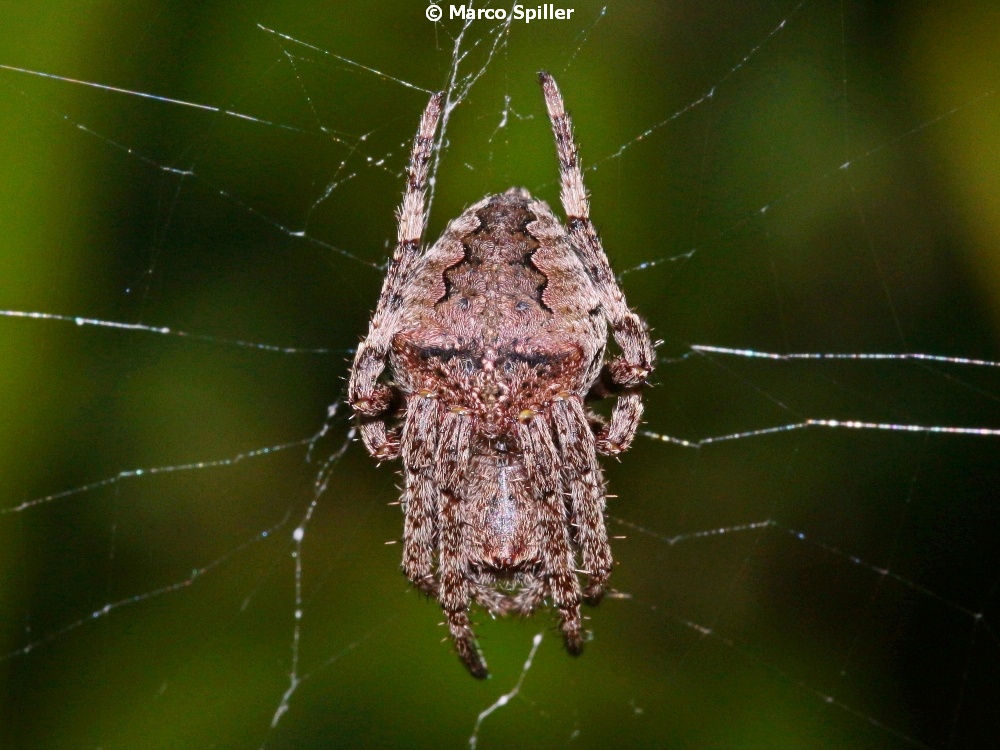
<point x="495" y="337"/>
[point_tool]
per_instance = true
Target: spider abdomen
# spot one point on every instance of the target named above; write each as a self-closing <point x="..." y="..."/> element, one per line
<point x="499" y="322"/>
<point x="494" y="293"/>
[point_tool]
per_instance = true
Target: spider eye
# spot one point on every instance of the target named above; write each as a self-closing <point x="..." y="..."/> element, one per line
<point x="521" y="306"/>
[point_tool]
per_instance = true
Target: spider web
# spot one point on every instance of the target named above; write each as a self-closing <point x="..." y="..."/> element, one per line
<point x="796" y="195"/>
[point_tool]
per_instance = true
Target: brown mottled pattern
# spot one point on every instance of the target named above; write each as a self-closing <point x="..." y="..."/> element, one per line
<point x="495" y="336"/>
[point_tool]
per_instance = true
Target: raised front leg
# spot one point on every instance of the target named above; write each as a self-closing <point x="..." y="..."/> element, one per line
<point x="370" y="398"/>
<point x="627" y="373"/>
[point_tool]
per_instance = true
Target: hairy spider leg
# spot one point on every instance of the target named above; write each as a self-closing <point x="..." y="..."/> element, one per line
<point x="370" y="398"/>
<point x="455" y="592"/>
<point x="420" y="500"/>
<point x="584" y="482"/>
<point x="558" y="567"/>
<point x="629" y="371"/>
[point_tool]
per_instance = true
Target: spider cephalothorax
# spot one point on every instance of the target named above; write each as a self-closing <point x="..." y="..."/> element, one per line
<point x="496" y="336"/>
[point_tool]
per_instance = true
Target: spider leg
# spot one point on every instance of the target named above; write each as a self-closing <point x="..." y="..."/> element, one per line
<point x="369" y="397"/>
<point x="618" y="434"/>
<point x="530" y="597"/>
<point x="454" y="590"/>
<point x="629" y="371"/>
<point x="381" y="442"/>
<point x="540" y="460"/>
<point x="490" y="599"/>
<point x="420" y="436"/>
<point x="585" y="485"/>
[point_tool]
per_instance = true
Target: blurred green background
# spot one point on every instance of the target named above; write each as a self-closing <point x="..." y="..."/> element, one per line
<point x="829" y="184"/>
